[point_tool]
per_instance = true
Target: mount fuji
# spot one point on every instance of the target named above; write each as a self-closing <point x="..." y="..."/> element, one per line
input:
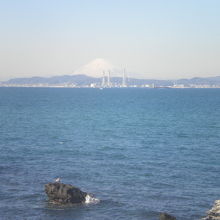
<point x="95" y="68"/>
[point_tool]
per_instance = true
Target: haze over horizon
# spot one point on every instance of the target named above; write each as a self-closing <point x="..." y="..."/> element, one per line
<point x="151" y="39"/>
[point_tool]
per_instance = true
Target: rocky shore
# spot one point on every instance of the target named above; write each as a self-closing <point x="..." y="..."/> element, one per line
<point x="165" y="216"/>
<point x="214" y="212"/>
<point x="60" y="193"/>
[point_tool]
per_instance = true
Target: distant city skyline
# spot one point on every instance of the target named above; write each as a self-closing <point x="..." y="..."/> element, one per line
<point x="151" y="39"/>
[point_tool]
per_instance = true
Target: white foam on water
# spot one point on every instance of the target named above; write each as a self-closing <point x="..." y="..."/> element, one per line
<point x="91" y="200"/>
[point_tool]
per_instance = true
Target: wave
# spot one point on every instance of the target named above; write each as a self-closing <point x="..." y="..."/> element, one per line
<point x="91" y="200"/>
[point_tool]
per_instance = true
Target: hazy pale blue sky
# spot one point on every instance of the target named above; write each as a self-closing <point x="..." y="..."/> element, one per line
<point x="154" y="39"/>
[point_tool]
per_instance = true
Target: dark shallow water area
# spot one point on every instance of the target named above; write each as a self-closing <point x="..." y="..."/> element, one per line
<point x="140" y="151"/>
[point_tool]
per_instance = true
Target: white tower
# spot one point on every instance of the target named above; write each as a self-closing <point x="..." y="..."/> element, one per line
<point x="109" y="82"/>
<point x="124" y="79"/>
<point x="103" y="79"/>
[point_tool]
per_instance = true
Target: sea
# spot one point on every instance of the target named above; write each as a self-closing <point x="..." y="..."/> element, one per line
<point x="138" y="151"/>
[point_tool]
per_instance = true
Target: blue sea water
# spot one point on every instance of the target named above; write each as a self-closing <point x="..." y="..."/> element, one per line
<point x="140" y="151"/>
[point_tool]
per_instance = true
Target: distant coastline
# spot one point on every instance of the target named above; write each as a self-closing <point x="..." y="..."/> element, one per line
<point x="84" y="81"/>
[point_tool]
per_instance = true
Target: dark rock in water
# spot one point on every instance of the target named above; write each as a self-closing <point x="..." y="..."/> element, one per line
<point x="165" y="216"/>
<point x="64" y="193"/>
<point x="214" y="212"/>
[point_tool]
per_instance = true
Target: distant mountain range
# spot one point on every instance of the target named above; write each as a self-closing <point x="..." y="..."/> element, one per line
<point x="82" y="80"/>
<point x="55" y="80"/>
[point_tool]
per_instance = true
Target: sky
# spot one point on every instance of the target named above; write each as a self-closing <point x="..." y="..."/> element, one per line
<point x="161" y="39"/>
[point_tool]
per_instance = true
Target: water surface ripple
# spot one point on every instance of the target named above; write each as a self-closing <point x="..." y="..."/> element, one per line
<point x="140" y="151"/>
